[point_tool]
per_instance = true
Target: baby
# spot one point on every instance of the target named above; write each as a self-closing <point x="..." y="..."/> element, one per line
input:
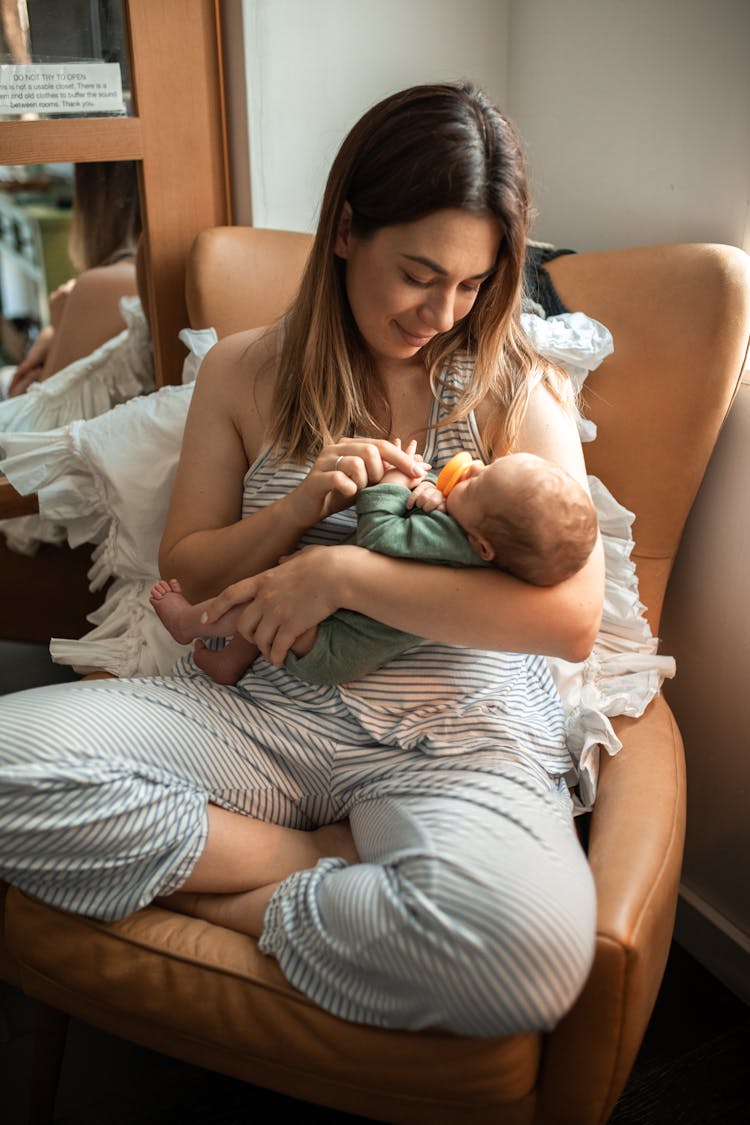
<point x="520" y="513"/>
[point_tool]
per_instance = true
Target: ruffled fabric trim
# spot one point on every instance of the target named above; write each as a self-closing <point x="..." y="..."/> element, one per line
<point x="198" y="342"/>
<point x="574" y="341"/>
<point x="72" y="497"/>
<point x="115" y="372"/>
<point x="129" y="639"/>
<point x="623" y="673"/>
<point x="121" y="369"/>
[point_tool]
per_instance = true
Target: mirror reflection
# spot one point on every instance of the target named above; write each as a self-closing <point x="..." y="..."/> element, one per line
<point x="43" y="36"/>
<point x="68" y="241"/>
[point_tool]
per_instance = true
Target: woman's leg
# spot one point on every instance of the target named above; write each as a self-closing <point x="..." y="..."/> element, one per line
<point x="475" y="919"/>
<point x="244" y="854"/>
<point x="105" y="791"/>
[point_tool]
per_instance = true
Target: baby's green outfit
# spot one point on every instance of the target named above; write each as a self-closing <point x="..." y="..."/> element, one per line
<point x="348" y="644"/>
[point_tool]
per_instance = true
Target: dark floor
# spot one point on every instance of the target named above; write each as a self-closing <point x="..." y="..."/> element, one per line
<point x="692" y="1068"/>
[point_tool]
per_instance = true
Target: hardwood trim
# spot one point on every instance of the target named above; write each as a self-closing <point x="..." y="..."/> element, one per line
<point x="12" y="503"/>
<point x="76" y="139"/>
<point x="180" y="137"/>
<point x="178" y="96"/>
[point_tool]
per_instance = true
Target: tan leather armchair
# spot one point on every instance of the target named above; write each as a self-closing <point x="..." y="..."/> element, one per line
<point x="680" y="317"/>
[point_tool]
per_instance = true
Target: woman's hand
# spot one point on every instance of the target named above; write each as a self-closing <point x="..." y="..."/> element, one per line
<point x="286" y="601"/>
<point x="343" y="469"/>
<point x="30" y="369"/>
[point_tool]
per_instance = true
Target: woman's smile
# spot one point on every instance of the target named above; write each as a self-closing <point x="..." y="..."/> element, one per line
<point x="410" y="282"/>
<point x="412" y="339"/>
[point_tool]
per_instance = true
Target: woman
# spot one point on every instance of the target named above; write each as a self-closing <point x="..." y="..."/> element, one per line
<point x="85" y="311"/>
<point x="457" y="896"/>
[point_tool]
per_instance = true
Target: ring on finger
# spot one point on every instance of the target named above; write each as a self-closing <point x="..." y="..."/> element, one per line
<point x="339" y="459"/>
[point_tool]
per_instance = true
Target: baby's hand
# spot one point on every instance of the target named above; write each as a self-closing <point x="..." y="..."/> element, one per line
<point x="426" y="496"/>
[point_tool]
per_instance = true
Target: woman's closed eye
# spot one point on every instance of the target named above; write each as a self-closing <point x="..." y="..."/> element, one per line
<point x="467" y="286"/>
<point x="411" y="280"/>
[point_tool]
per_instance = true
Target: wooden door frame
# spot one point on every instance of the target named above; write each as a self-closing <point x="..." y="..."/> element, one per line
<point x="179" y="136"/>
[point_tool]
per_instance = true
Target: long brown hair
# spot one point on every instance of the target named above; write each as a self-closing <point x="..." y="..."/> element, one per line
<point x="422" y="150"/>
<point x="106" y="219"/>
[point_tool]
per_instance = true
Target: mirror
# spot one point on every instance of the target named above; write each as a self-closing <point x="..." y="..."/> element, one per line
<point x="61" y="224"/>
<point x="35" y="211"/>
<point x="62" y="59"/>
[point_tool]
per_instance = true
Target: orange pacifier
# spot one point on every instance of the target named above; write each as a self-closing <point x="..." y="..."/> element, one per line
<point x="453" y="472"/>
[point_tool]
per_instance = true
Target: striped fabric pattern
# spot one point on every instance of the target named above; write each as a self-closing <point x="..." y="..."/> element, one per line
<point x="473" y="907"/>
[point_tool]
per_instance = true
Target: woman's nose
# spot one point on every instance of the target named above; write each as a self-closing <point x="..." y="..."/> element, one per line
<point x="438" y="311"/>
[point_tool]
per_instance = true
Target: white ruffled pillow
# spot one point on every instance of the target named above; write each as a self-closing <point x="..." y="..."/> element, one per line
<point x="108" y="481"/>
<point x="119" y="370"/>
<point x="115" y="372"/>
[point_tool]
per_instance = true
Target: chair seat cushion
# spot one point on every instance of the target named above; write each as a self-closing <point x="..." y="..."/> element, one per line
<point x="207" y="995"/>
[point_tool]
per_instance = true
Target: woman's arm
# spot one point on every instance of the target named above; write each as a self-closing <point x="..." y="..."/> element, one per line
<point x="489" y="609"/>
<point x="206" y="544"/>
<point x="477" y="608"/>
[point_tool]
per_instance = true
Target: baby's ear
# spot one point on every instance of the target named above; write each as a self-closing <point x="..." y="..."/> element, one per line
<point x="482" y="546"/>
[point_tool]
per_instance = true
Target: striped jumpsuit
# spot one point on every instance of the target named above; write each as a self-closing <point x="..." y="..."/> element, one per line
<point x="472" y="909"/>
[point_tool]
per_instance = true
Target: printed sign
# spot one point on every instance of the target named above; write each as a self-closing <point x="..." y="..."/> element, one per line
<point x="75" y="88"/>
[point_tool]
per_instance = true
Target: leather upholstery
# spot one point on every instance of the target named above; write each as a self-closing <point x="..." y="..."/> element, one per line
<point x="680" y="317"/>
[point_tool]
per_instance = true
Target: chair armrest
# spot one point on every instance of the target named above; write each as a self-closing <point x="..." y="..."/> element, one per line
<point x="635" y="850"/>
<point x="12" y="503"/>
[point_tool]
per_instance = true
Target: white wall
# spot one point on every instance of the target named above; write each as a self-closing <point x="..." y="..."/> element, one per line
<point x="636" y="117"/>
<point x="710" y="698"/>
<point x="314" y="66"/>
<point x="635" y="113"/>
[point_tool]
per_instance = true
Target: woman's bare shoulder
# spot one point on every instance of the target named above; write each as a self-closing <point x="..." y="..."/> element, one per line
<point x="238" y="375"/>
<point x="94" y="283"/>
<point x="548" y="428"/>
<point x="243" y="356"/>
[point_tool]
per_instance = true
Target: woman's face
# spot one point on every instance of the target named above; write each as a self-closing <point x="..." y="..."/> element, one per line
<point x="409" y="282"/>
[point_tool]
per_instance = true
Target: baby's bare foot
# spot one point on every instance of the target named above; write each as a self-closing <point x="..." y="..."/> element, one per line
<point x="174" y="610"/>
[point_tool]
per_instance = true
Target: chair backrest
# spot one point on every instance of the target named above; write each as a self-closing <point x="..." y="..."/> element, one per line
<point x="680" y="318"/>
<point x="243" y="277"/>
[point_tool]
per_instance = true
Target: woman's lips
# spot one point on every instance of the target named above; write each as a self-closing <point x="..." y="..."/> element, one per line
<point x="411" y="339"/>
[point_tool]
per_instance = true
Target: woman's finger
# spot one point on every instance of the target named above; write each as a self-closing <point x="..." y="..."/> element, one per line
<point x="236" y="594"/>
<point x="260" y="631"/>
<point x="350" y="475"/>
<point x="376" y="452"/>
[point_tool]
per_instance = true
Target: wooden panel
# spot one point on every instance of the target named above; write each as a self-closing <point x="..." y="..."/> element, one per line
<point x="12" y="503"/>
<point x="179" y="134"/>
<point x="77" y="139"/>
<point x="47" y="595"/>
<point x="178" y="96"/>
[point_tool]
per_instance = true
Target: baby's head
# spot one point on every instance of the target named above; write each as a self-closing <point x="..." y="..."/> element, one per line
<point x="527" y="515"/>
